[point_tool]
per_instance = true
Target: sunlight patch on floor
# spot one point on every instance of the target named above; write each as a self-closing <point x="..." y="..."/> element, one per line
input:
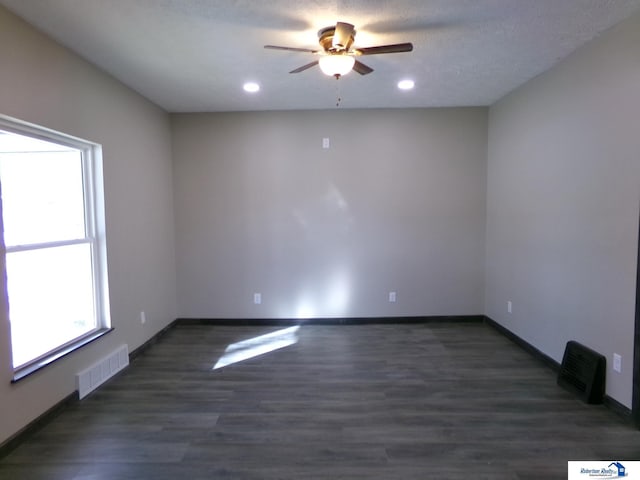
<point x="254" y="347"/>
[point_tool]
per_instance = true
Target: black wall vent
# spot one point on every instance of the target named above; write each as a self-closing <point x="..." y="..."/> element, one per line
<point x="583" y="372"/>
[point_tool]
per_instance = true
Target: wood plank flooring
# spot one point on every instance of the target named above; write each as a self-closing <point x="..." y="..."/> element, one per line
<point x="403" y="401"/>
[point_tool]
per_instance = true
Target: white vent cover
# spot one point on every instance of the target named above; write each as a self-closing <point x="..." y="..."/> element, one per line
<point x="98" y="373"/>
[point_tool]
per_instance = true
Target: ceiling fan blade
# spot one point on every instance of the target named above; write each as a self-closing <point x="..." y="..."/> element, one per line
<point x="395" y="48"/>
<point x="343" y="36"/>
<point x="304" y="67"/>
<point x="292" y="49"/>
<point x="361" y="68"/>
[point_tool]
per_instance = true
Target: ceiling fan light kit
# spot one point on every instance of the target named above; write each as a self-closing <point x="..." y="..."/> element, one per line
<point x="336" y="65"/>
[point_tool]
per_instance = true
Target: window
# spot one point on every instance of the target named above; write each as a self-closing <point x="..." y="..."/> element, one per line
<point x="55" y="257"/>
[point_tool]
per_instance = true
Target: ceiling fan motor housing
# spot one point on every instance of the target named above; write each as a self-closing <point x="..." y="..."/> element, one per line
<point x="325" y="38"/>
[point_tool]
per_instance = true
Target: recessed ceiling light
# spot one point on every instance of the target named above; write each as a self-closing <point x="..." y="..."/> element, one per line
<point x="406" y="84"/>
<point x="251" y="87"/>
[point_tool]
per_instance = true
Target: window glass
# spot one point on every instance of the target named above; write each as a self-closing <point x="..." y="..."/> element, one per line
<point x="50" y="299"/>
<point x="42" y="196"/>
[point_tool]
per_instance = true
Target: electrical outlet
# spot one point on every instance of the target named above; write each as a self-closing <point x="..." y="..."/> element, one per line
<point x="392" y="297"/>
<point x="617" y="363"/>
<point x="509" y="307"/>
<point x="257" y="298"/>
<point x="143" y="318"/>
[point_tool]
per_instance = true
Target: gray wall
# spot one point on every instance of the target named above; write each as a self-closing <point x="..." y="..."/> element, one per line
<point x="396" y="204"/>
<point x="42" y="83"/>
<point x="563" y="196"/>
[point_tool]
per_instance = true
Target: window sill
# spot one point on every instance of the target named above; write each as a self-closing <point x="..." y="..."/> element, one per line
<point x="31" y="368"/>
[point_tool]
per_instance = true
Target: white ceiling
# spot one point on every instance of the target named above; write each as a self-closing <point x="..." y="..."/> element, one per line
<point x="194" y="55"/>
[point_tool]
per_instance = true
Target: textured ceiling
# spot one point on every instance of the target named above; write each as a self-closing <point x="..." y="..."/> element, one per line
<point x="194" y="55"/>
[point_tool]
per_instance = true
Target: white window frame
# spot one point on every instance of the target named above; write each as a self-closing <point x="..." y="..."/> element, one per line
<point x="95" y="236"/>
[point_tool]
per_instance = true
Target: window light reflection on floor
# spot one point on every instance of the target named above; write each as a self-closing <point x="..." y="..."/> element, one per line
<point x="254" y="347"/>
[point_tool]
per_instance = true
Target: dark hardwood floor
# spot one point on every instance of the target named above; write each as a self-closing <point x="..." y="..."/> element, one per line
<point x="403" y="401"/>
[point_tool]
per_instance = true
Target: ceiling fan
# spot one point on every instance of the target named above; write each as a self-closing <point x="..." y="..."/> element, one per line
<point x="337" y="57"/>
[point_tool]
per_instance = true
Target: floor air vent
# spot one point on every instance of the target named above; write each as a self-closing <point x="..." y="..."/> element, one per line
<point x="98" y="373"/>
<point x="583" y="372"/>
